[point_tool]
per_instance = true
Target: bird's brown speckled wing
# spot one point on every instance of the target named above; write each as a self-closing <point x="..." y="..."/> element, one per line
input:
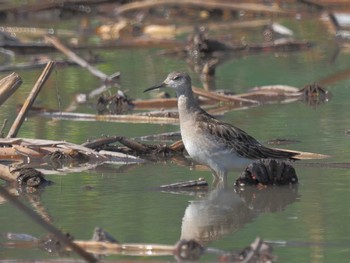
<point x="238" y="140"/>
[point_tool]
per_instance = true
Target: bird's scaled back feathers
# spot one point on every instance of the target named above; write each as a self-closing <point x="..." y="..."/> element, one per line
<point x="238" y="140"/>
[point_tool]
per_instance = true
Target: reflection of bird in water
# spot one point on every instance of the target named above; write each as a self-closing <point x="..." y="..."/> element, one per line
<point x="224" y="211"/>
<point x="220" y="213"/>
<point x="219" y="145"/>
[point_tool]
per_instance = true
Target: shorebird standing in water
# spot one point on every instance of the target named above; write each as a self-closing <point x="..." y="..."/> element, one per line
<point x="219" y="145"/>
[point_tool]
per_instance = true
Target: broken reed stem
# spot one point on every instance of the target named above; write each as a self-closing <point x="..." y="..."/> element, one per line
<point x="8" y="85"/>
<point x="30" y="100"/>
<point x="81" y="62"/>
<point x="50" y="228"/>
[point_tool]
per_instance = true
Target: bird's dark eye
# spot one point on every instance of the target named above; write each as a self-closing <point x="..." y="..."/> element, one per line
<point x="176" y="77"/>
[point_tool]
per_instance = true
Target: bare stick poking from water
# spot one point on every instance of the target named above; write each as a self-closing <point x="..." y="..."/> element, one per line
<point x="30" y="100"/>
<point x="36" y="218"/>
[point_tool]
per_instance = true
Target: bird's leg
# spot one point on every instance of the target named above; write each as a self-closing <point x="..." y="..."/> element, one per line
<point x="219" y="179"/>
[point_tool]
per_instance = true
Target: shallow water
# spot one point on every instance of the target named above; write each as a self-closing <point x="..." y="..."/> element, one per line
<point x="311" y="220"/>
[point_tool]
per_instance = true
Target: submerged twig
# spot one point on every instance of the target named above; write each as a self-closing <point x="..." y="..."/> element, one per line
<point x="30" y="100"/>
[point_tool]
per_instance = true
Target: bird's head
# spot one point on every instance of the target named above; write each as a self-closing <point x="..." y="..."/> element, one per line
<point x="179" y="81"/>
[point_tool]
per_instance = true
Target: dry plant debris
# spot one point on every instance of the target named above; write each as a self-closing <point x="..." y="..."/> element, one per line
<point x="268" y="172"/>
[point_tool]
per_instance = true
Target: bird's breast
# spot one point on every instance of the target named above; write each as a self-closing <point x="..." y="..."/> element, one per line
<point x="207" y="149"/>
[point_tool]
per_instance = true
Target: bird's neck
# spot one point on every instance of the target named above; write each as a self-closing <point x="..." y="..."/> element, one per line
<point x="187" y="106"/>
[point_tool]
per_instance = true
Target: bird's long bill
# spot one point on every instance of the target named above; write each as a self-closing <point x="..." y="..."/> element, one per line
<point x="162" y="85"/>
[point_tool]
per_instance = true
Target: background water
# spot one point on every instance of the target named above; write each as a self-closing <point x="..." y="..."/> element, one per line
<point x="314" y="218"/>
